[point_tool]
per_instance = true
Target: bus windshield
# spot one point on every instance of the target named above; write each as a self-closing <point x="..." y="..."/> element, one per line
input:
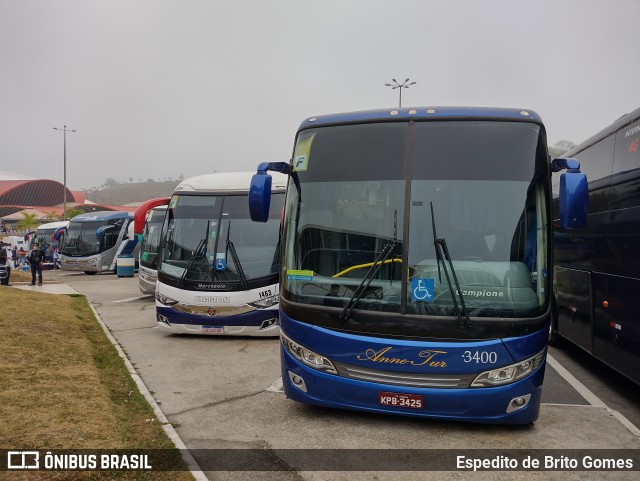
<point x="81" y="238"/>
<point x="374" y="193"/>
<point x="149" y="248"/>
<point x="44" y="237"/>
<point x="211" y="238"/>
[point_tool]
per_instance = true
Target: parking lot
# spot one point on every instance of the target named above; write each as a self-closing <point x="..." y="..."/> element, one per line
<point x="224" y="393"/>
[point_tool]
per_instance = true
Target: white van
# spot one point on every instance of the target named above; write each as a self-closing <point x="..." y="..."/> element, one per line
<point x="16" y="241"/>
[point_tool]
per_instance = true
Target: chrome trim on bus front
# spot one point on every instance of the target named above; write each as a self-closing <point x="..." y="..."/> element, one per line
<point x="225" y="311"/>
<point x="403" y="379"/>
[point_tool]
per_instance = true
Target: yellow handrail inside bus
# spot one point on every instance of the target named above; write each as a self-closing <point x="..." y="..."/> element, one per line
<point x="360" y="266"/>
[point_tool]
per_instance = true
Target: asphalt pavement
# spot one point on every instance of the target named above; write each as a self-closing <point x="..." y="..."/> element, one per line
<point x="223" y="394"/>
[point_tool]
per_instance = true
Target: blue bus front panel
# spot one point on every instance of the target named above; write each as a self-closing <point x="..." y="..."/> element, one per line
<point x="425" y="379"/>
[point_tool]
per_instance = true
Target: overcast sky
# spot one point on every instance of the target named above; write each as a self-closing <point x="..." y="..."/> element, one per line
<point x="159" y="88"/>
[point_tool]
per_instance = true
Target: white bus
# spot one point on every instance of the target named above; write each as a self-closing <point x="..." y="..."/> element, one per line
<point x="49" y="234"/>
<point x="52" y="234"/>
<point x="218" y="270"/>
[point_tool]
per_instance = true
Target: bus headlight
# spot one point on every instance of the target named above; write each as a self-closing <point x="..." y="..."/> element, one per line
<point x="268" y="302"/>
<point x="167" y="301"/>
<point x="306" y="356"/>
<point x="509" y="374"/>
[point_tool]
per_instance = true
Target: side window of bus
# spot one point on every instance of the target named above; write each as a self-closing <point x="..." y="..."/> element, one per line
<point x="624" y="201"/>
<point x="109" y="239"/>
<point x="597" y="163"/>
<point x="625" y="184"/>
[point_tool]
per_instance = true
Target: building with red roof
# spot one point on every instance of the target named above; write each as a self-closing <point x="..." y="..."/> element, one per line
<point x="43" y="197"/>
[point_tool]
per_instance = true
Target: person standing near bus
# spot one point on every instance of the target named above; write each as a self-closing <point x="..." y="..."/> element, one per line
<point x="9" y="250"/>
<point x="36" y="258"/>
<point x="4" y="261"/>
<point x="22" y="256"/>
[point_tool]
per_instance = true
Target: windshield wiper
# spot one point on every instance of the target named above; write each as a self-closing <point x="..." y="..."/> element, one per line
<point x="384" y="255"/>
<point x="236" y="261"/>
<point x="442" y="255"/>
<point x="197" y="253"/>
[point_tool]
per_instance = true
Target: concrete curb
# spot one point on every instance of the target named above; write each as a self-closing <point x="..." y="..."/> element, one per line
<point x="193" y="466"/>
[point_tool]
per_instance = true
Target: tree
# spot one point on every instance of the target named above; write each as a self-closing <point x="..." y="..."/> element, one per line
<point x="74" y="211"/>
<point x="51" y="216"/>
<point x="560" y="148"/>
<point x="28" y="223"/>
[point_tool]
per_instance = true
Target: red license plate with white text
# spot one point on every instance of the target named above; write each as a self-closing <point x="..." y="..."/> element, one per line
<point x="401" y="400"/>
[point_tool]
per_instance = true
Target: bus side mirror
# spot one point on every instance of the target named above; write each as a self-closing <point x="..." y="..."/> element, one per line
<point x="58" y="233"/>
<point x="260" y="190"/>
<point x="574" y="194"/>
<point x="260" y="197"/>
<point x="102" y="231"/>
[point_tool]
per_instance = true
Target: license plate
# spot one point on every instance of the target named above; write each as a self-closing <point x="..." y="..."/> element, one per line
<point x="213" y="329"/>
<point x="401" y="400"/>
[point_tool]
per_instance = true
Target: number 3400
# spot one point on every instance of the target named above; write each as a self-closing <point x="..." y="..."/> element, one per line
<point x="482" y="357"/>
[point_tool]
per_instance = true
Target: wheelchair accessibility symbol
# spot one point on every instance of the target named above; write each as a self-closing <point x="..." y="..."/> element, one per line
<point x="221" y="264"/>
<point x="422" y="290"/>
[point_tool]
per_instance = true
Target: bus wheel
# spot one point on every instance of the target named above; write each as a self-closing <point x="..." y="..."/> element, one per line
<point x="90" y="273"/>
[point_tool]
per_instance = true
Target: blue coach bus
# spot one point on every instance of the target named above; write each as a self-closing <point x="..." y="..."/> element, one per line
<point x="93" y="241"/>
<point x="416" y="260"/>
<point x="597" y="269"/>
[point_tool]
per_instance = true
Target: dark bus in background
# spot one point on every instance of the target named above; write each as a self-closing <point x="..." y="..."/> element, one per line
<point x="597" y="274"/>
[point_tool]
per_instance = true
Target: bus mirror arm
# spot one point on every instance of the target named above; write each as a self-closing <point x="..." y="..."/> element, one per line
<point x="282" y="167"/>
<point x="574" y="193"/>
<point x="103" y="230"/>
<point x="571" y="165"/>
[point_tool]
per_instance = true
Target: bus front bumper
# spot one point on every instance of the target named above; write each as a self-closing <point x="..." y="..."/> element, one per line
<point x="147" y="280"/>
<point x="83" y="264"/>
<point x="494" y="405"/>
<point x="258" y="323"/>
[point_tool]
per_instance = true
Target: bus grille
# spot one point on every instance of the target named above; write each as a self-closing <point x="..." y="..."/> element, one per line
<point x="404" y="379"/>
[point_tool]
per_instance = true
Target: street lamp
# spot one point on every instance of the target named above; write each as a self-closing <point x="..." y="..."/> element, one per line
<point x="64" y="192"/>
<point x="403" y="85"/>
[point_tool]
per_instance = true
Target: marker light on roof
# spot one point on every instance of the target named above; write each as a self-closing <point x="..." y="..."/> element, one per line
<point x="524" y="112"/>
<point x="413" y="111"/>
<point x="431" y="111"/>
<point x="394" y="112"/>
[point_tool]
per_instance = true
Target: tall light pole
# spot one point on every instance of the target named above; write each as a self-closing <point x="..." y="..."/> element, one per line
<point x="403" y="85"/>
<point x="64" y="192"/>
